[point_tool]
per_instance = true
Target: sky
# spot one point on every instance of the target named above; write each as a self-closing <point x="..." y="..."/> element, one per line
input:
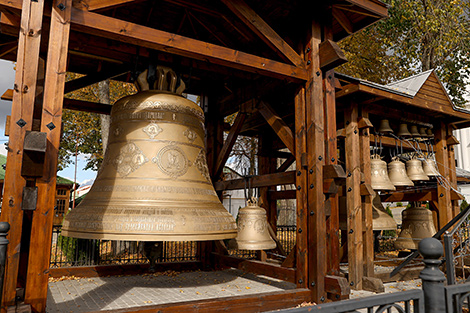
<point x="7" y="78"/>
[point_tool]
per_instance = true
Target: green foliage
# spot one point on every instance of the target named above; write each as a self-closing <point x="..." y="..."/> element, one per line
<point x="463" y="205"/>
<point x="399" y="204"/>
<point x="82" y="130"/>
<point x="417" y="36"/>
<point x="389" y="233"/>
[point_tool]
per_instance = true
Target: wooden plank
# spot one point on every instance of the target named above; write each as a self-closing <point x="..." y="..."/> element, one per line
<point x="353" y="195"/>
<point x="442" y="160"/>
<point x="8" y="48"/>
<point x="8" y="95"/>
<point x="93" y="5"/>
<point x="228" y="144"/>
<point x="283" y="178"/>
<point x="86" y="106"/>
<point x="287" y="163"/>
<point x="374" y="7"/>
<point x="331" y="56"/>
<point x="337" y="286"/>
<point x="343" y="20"/>
<point x="301" y="247"/>
<point x="242" y="304"/>
<point x="257" y="267"/>
<point x="22" y="109"/>
<point x="264" y="31"/>
<point x="41" y="231"/>
<point x="112" y="28"/>
<point x="314" y="107"/>
<point x="267" y="165"/>
<point x="283" y="194"/>
<point x="364" y="154"/>
<point x="391" y="142"/>
<point x="7" y="125"/>
<point x="91" y="79"/>
<point x="450" y="139"/>
<point x="278" y="125"/>
<point x="127" y="269"/>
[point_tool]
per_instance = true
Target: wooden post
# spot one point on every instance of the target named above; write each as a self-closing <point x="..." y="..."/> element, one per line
<point x="315" y="161"/>
<point x="452" y="173"/>
<point x="353" y="196"/>
<point x="21" y="121"/>
<point x="367" y="203"/>
<point x="302" y="252"/>
<point x="267" y="165"/>
<point x="442" y="159"/>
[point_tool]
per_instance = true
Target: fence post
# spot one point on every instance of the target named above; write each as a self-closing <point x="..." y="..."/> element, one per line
<point x="4" y="228"/>
<point x="433" y="278"/>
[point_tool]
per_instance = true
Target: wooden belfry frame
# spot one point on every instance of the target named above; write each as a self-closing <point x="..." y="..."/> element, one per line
<point x="310" y="137"/>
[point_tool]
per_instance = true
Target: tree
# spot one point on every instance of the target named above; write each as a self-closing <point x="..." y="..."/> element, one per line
<point x="82" y="130"/>
<point x="418" y="36"/>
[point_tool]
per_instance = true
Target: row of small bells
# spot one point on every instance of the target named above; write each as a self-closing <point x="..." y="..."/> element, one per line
<point x="154" y="182"/>
<point x="417" y="221"/>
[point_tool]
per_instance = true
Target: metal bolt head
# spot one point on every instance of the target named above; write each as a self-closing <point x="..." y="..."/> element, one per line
<point x="310" y="171"/>
<point x="308" y="50"/>
<point x="322" y="299"/>
<point x="311" y="186"/>
<point x="332" y="159"/>
<point x="312" y="213"/>
<point x="308" y="62"/>
<point x="21" y="122"/>
<point x="61" y="6"/>
<point x="300" y="230"/>
<point x="299" y="173"/>
<point x="355" y="131"/>
<point x="313" y="284"/>
<point x="51" y="126"/>
<point x="300" y="281"/>
<point x="349" y="189"/>
<point x="351" y="231"/>
<point x="320" y="158"/>
<point x="318" y="73"/>
<point x="349" y="174"/>
<point x="441" y="195"/>
<point x="351" y="283"/>
<point x="299" y="187"/>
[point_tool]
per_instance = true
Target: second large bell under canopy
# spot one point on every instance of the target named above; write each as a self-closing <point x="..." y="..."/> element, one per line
<point x="154" y="183"/>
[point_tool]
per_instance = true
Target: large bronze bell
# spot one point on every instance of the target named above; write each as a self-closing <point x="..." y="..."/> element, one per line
<point x="380" y="218"/>
<point x="429" y="167"/>
<point x="397" y="173"/>
<point x="253" y="232"/>
<point x="403" y="131"/>
<point x="417" y="224"/>
<point x="414" y="169"/>
<point x="154" y="183"/>
<point x="384" y="127"/>
<point x="414" y="131"/>
<point x="379" y="179"/>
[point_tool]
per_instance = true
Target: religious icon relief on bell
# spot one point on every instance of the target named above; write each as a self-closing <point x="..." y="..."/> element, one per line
<point x="201" y="165"/>
<point x="190" y="134"/>
<point x="172" y="161"/>
<point x="129" y="159"/>
<point x="152" y="130"/>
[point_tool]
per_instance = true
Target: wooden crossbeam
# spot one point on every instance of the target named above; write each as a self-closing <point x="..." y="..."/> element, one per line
<point x="229" y="142"/>
<point x="267" y="180"/>
<point x="264" y="31"/>
<point x="8" y="47"/>
<point x="287" y="163"/>
<point x="343" y="20"/>
<point x="93" y="5"/>
<point x="91" y="79"/>
<point x="278" y="125"/>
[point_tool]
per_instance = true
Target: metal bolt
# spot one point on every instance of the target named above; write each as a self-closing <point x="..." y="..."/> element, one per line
<point x="11" y="202"/>
<point x="300" y="281"/>
<point x="322" y="299"/>
<point x="311" y="171"/>
<point x="311" y="186"/>
<point x="312" y="213"/>
<point x="337" y="296"/>
<point x="300" y="230"/>
<point x="320" y="158"/>
<point x="445" y="148"/>
<point x="366" y="133"/>
<point x="355" y="131"/>
<point x="25" y="89"/>
<point x="347" y="122"/>
<point x="332" y="159"/>
<point x="299" y="173"/>
<point x="441" y="195"/>
<point x="21" y="122"/>
<point x="51" y="126"/>
<point x="351" y="283"/>
<point x="349" y="174"/>
<point x="349" y="189"/>
<point x="308" y="50"/>
<point x="298" y="187"/>
<point x="308" y="62"/>
<point x="61" y="6"/>
<point x="351" y="231"/>
<point x="313" y="284"/>
<point x="318" y="73"/>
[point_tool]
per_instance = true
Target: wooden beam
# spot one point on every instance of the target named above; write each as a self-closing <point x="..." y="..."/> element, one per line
<point x="93" y="5"/>
<point x="7" y="48"/>
<point x="442" y="160"/>
<point x="41" y="234"/>
<point x="278" y="125"/>
<point x="416" y="196"/>
<point x="374" y="7"/>
<point x="337" y="286"/>
<point x="353" y="196"/>
<point x="86" y="106"/>
<point x="7" y="95"/>
<point x="115" y="29"/>
<point x="264" y="31"/>
<point x="287" y="163"/>
<point x="257" y="267"/>
<point x="276" y="179"/>
<point x="91" y="79"/>
<point x="228" y="144"/>
<point x="21" y="121"/>
<point x="343" y="20"/>
<point x="331" y="56"/>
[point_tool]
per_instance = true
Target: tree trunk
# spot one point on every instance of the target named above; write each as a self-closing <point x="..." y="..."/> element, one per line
<point x="103" y="95"/>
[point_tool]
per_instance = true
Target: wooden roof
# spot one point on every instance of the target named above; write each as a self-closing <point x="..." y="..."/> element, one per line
<point x="228" y="41"/>
<point x="420" y="98"/>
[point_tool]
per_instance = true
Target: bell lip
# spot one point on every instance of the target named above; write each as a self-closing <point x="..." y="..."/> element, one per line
<point x="148" y="237"/>
<point x="256" y="245"/>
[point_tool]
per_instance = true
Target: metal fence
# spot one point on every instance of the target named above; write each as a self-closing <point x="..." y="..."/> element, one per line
<point x="68" y="251"/>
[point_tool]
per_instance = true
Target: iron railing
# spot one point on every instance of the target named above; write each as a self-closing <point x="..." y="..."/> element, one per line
<point x="457" y="249"/>
<point x="69" y="252"/>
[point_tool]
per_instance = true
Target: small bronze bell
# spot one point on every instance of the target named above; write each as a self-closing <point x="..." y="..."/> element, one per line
<point x="403" y="131"/>
<point x="429" y="132"/>
<point x="384" y="127"/>
<point x="253" y="232"/>
<point x="422" y="132"/>
<point x="429" y="167"/>
<point x="414" y="169"/>
<point x="380" y="218"/>
<point x="417" y="224"/>
<point x="380" y="179"/>
<point x="397" y="173"/>
<point x="414" y="131"/>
